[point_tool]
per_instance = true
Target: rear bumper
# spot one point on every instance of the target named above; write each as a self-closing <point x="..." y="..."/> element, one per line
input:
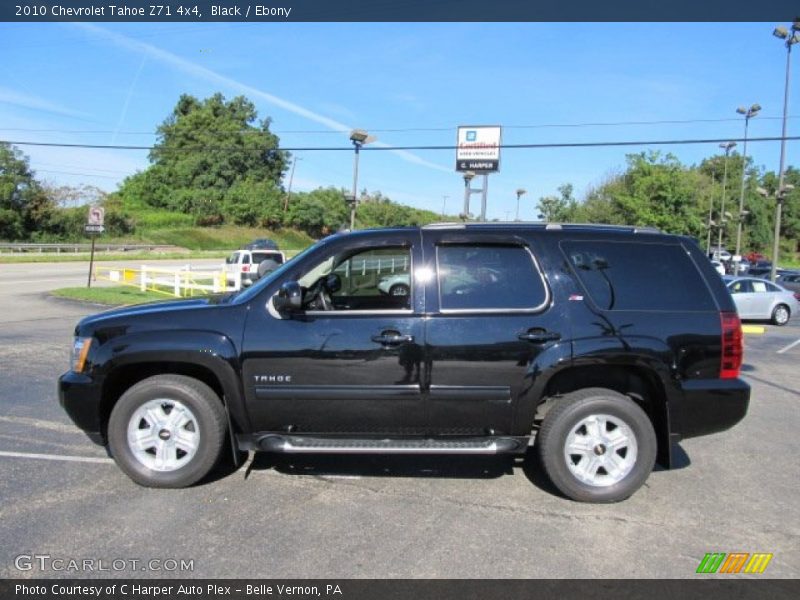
<point x="712" y="405"/>
<point x="80" y="396"/>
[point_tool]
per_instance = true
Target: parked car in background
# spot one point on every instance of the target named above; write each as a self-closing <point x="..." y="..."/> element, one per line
<point x="720" y="254"/>
<point x="754" y="257"/>
<point x="760" y="268"/>
<point x="262" y="244"/>
<point x="247" y="262"/>
<point x="719" y="267"/>
<point x="395" y="285"/>
<point x="758" y="299"/>
<point x="743" y="266"/>
<point x="789" y="280"/>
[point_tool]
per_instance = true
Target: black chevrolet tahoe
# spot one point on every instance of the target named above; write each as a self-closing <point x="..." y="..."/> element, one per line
<point x="599" y="347"/>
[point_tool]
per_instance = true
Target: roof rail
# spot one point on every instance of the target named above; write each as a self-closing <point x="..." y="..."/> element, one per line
<point x="544" y="225"/>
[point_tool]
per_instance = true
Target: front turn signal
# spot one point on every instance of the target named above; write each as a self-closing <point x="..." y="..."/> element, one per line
<point x="80" y="350"/>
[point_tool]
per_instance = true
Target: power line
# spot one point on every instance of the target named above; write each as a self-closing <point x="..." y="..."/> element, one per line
<point x="406" y="129"/>
<point x="435" y="147"/>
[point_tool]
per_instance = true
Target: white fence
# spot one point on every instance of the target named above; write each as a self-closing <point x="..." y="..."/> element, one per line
<point x="180" y="282"/>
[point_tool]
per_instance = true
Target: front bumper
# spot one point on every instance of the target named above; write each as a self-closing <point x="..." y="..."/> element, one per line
<point x="712" y="405"/>
<point x="80" y="397"/>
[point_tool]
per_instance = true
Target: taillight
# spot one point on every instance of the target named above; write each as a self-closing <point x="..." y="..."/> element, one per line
<point x="797" y="296"/>
<point x="732" y="347"/>
<point x="245" y="268"/>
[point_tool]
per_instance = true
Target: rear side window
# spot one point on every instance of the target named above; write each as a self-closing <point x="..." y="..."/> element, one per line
<point x="488" y="278"/>
<point x="639" y="276"/>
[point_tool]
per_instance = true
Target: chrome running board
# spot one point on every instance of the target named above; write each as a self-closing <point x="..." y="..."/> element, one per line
<point x="292" y="444"/>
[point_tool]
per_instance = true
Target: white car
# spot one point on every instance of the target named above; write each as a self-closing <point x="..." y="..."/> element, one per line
<point x="246" y="263"/>
<point x="395" y="285"/>
<point x="762" y="300"/>
<point x="720" y="268"/>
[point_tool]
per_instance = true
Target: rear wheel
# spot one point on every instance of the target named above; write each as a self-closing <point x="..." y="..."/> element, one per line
<point x="167" y="431"/>
<point x="781" y="314"/>
<point x="597" y="445"/>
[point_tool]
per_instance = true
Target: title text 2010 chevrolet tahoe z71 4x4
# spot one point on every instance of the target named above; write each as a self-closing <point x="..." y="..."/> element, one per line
<point x="603" y="345"/>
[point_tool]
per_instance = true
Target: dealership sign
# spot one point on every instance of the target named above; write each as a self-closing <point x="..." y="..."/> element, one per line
<point x="478" y="149"/>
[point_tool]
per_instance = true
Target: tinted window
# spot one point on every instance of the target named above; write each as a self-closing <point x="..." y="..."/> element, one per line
<point x="258" y="257"/>
<point x="639" y="276"/>
<point x="740" y="287"/>
<point x="488" y="277"/>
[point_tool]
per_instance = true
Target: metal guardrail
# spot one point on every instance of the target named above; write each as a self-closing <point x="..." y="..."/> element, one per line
<point x="77" y="247"/>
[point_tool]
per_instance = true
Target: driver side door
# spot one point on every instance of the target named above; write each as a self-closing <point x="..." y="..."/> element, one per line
<point x="349" y="365"/>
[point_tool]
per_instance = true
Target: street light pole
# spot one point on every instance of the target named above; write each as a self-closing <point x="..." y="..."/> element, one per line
<point x="291" y="178"/>
<point x="727" y="146"/>
<point x="748" y="114"/>
<point x="790" y="40"/>
<point x="359" y="137"/>
<point x="520" y="193"/>
<point x="710" y="211"/>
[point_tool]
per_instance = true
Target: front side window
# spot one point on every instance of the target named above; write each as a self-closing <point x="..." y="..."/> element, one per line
<point x="488" y="277"/>
<point x="368" y="279"/>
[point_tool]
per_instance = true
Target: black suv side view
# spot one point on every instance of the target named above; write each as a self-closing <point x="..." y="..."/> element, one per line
<point x="600" y="346"/>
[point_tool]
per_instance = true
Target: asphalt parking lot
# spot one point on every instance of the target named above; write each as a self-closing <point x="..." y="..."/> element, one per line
<point x="336" y="517"/>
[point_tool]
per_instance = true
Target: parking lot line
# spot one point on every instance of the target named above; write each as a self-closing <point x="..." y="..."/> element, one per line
<point x="88" y="459"/>
<point x="789" y="347"/>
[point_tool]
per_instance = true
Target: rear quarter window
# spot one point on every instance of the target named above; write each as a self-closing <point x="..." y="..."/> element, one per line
<point x="639" y="276"/>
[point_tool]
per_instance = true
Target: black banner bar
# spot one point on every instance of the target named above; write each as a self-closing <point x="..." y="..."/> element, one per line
<point x="189" y="11"/>
<point x="703" y="587"/>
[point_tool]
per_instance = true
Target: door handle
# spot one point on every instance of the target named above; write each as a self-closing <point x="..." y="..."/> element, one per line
<point x="539" y="336"/>
<point x="392" y="338"/>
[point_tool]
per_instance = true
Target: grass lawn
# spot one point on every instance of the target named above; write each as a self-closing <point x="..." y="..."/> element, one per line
<point x="112" y="296"/>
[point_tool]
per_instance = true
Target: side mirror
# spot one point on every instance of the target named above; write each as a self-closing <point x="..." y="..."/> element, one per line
<point x="289" y="298"/>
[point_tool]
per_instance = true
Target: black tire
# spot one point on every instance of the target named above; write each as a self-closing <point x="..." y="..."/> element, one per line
<point x="778" y="317"/>
<point x="564" y="421"/>
<point x="208" y="423"/>
<point x="397" y="288"/>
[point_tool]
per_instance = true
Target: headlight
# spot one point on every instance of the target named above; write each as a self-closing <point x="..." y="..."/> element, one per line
<point x="80" y="349"/>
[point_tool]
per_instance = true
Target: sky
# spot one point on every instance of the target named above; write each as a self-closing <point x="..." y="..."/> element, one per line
<point x="408" y="85"/>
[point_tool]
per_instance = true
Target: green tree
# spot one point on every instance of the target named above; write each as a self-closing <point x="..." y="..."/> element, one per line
<point x="204" y="149"/>
<point x="24" y="207"/>
<point x="559" y="209"/>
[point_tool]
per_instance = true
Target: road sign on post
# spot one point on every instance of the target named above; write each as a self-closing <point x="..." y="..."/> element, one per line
<point x="93" y="228"/>
<point x="478" y="148"/>
<point x="96" y="215"/>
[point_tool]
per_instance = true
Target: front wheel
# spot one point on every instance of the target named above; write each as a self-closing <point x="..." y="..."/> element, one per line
<point x="167" y="431"/>
<point x="399" y="289"/>
<point x="597" y="445"/>
<point x="781" y="314"/>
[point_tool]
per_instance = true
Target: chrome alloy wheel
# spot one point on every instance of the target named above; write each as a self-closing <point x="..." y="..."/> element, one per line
<point x="163" y="434"/>
<point x="600" y="450"/>
<point x="781" y="315"/>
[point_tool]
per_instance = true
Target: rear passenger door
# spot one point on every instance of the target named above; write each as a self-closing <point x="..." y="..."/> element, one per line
<point x="488" y="317"/>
